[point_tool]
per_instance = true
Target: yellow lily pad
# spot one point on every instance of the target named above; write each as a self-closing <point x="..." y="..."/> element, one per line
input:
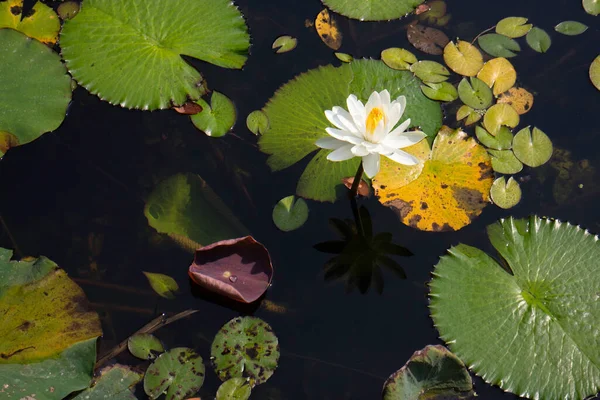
<point x="41" y="23"/>
<point x="499" y="74"/>
<point x="328" y="30"/>
<point x="518" y="98"/>
<point x="451" y="190"/>
<point x="595" y="72"/>
<point x="463" y="58"/>
<point x="499" y="115"/>
<point x="513" y="27"/>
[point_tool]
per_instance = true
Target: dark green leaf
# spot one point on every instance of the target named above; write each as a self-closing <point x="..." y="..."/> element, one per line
<point x="499" y="45"/>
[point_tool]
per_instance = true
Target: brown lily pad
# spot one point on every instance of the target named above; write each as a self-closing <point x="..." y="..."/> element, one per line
<point x="426" y="39"/>
<point x="239" y="269"/>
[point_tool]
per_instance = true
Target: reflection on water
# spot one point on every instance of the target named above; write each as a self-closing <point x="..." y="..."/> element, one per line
<point x="77" y="197"/>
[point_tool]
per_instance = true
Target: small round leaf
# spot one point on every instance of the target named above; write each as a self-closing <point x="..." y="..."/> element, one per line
<point x="145" y="346"/>
<point x="283" y="44"/>
<point x="532" y="148"/>
<point x="443" y="91"/>
<point x="179" y="373"/>
<point x="257" y="122"/>
<point x="498" y="73"/>
<point x="475" y="94"/>
<point x="290" y="213"/>
<point x="595" y="72"/>
<point x="518" y="98"/>
<point x="571" y="28"/>
<point x="513" y="27"/>
<point x="397" y="58"/>
<point x="505" y="194"/>
<point x="218" y="118"/>
<point x="162" y="284"/>
<point x="499" y="45"/>
<point x="430" y="71"/>
<point x="538" y="40"/>
<point x="237" y="388"/>
<point x="499" y="115"/>
<point x="591" y="7"/>
<point x="463" y="58"/>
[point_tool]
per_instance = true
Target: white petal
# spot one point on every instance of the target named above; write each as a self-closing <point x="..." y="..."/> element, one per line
<point x="402" y="101"/>
<point x="343" y="120"/>
<point x="393" y="115"/>
<point x="374" y="101"/>
<point x="360" y="150"/>
<point x="380" y="132"/>
<point x="403" y="140"/>
<point x="344" y="135"/>
<point x="371" y="164"/>
<point x="330" y="143"/>
<point x="403" y="157"/>
<point x="400" y="129"/>
<point x="385" y="97"/>
<point x="342" y="154"/>
<point x="357" y="111"/>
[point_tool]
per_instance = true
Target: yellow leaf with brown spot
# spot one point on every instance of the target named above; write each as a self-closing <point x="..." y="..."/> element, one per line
<point x="499" y="74"/>
<point x="399" y="174"/>
<point x="328" y="30"/>
<point x="40" y="23"/>
<point x="451" y="190"/>
<point x="498" y="115"/>
<point x="463" y="58"/>
<point x="518" y="98"/>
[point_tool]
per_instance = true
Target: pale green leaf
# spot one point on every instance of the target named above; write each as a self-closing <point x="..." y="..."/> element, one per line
<point x="145" y="346"/>
<point x="285" y="43"/>
<point x="591" y="7"/>
<point x="502" y="140"/>
<point x="505" y="194"/>
<point x="571" y="28"/>
<point x="162" y="284"/>
<point x="430" y="71"/>
<point x="595" y="72"/>
<point x="398" y="58"/>
<point x="443" y="91"/>
<point x="505" y="162"/>
<point x="343" y="57"/>
<point x="513" y="27"/>
<point x="532" y="148"/>
<point x="236" y="388"/>
<point x="257" y="122"/>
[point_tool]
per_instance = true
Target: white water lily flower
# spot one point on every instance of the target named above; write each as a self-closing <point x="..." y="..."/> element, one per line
<point x="367" y="131"/>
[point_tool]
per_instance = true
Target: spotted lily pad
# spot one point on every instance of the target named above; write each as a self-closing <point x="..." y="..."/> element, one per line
<point x="430" y="373"/>
<point x="145" y="346"/>
<point x="41" y="23"/>
<point x="518" y="98"/>
<point x="245" y="347"/>
<point x="179" y="373"/>
<point x="427" y="39"/>
<point x="129" y="52"/>
<point x="297" y="118"/>
<point x="29" y="70"/>
<point x="450" y="191"/>
<point x="521" y="329"/>
<point x="48" y="332"/>
<point x="373" y="10"/>
<point x="115" y="382"/>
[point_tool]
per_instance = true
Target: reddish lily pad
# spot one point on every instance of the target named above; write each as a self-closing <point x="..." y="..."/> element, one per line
<point x="239" y="268"/>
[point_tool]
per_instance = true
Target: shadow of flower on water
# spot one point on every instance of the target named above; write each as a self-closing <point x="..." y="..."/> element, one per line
<point x="361" y="255"/>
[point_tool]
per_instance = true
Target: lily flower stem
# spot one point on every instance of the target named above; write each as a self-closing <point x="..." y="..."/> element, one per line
<point x="353" y="203"/>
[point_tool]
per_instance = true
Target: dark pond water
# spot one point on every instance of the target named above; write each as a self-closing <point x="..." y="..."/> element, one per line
<point x="91" y="176"/>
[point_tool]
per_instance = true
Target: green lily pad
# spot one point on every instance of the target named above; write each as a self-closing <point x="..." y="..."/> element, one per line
<point x="285" y="43"/>
<point x="397" y="58"/>
<point x="185" y="208"/>
<point x="162" y="284"/>
<point x="290" y="214"/>
<point x="217" y="118"/>
<point x="476" y="93"/>
<point x="498" y="45"/>
<point x="443" y="91"/>
<point x="245" y="347"/>
<point x="502" y="141"/>
<point x="41" y="23"/>
<point x="145" y="346"/>
<point x="505" y="194"/>
<point x="571" y="28"/>
<point x="595" y="72"/>
<point x="129" y="52"/>
<point x="522" y="330"/>
<point x="257" y="122"/>
<point x="48" y="344"/>
<point x="115" y="382"/>
<point x="297" y="118"/>
<point x="513" y="27"/>
<point x="469" y="113"/>
<point x="430" y="373"/>
<point x="430" y="71"/>
<point x="29" y="70"/>
<point x="373" y="10"/>
<point x="532" y="148"/>
<point x="179" y="373"/>
<point x="538" y="40"/>
<point x="344" y="57"/>
<point x="591" y="7"/>
<point x="505" y="162"/>
<point x="237" y="388"/>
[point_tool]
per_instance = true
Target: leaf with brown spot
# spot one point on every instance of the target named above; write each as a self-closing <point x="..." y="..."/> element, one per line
<point x="328" y="30"/>
<point x="518" y="98"/>
<point x="429" y="40"/>
<point x="41" y="22"/>
<point x="454" y="183"/>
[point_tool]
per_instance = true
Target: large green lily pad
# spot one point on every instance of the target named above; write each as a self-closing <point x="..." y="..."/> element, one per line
<point x="373" y="10"/>
<point x="186" y="208"/>
<point x="35" y="89"/>
<point x="296" y="115"/>
<point x="48" y="345"/>
<point x="129" y="52"/>
<point x="114" y="382"/>
<point x="430" y="373"/>
<point x="245" y="347"/>
<point x="534" y="331"/>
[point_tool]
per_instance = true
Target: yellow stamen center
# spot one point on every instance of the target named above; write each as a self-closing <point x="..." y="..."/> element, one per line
<point x="373" y="119"/>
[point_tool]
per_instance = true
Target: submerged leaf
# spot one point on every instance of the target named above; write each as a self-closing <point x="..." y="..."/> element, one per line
<point x="68" y="9"/>
<point x="162" y="284"/>
<point x="475" y="94"/>
<point x="429" y="40"/>
<point x="532" y="148"/>
<point x="430" y="373"/>
<point x="115" y="382"/>
<point x="571" y="28"/>
<point x="283" y="44"/>
<point x="397" y="58"/>
<point x="41" y="23"/>
<point x="518" y="98"/>
<point x="505" y="194"/>
<point x="498" y="45"/>
<point x="179" y="373"/>
<point x="499" y="115"/>
<point x="239" y="268"/>
<point x="245" y="347"/>
<point x="430" y="71"/>
<point x="513" y="27"/>
<point x="451" y="190"/>
<point x="595" y="72"/>
<point x="538" y="40"/>
<point x="217" y="118"/>
<point x="290" y="213"/>
<point x="520" y="329"/>
<point x="498" y="73"/>
<point x="463" y="58"/>
<point x="328" y="30"/>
